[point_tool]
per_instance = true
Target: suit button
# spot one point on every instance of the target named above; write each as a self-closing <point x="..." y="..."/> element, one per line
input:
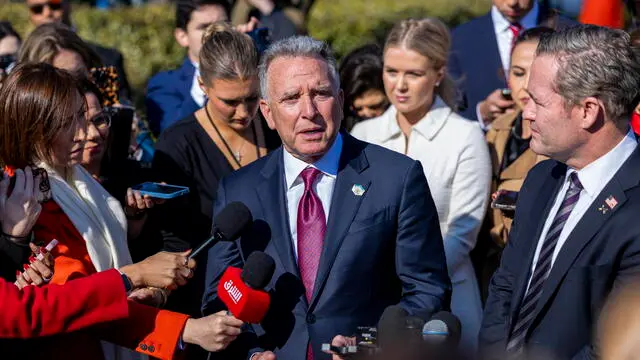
<point x="152" y="349"/>
<point x="143" y="347"/>
<point x="311" y="318"/>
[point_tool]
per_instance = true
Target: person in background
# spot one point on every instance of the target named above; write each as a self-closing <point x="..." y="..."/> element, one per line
<point x="9" y="47"/>
<point x="511" y="156"/>
<point x="422" y="124"/>
<point x="59" y="11"/>
<point x="174" y="94"/>
<point x="200" y="149"/>
<point x="296" y="11"/>
<point x="271" y="14"/>
<point x="481" y="51"/>
<point x="143" y="240"/>
<point x="361" y="79"/>
<point x="58" y="45"/>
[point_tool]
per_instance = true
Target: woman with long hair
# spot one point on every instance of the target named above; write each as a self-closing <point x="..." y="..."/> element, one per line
<point x="422" y="124"/>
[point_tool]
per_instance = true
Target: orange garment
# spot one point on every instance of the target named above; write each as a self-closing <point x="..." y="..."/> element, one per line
<point x="603" y="13"/>
<point x="147" y="330"/>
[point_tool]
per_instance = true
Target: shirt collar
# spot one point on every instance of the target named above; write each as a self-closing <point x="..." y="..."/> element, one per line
<point x="501" y="24"/>
<point x="428" y="126"/>
<point x="595" y="176"/>
<point x="328" y="164"/>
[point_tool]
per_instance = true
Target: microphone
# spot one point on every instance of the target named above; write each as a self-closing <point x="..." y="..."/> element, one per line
<point x="444" y="328"/>
<point x="229" y="223"/>
<point x="242" y="290"/>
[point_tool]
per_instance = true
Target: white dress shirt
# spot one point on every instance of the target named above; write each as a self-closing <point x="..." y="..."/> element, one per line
<point x="456" y="163"/>
<point x="504" y="37"/>
<point x="198" y="96"/>
<point x="322" y="186"/>
<point x="593" y="177"/>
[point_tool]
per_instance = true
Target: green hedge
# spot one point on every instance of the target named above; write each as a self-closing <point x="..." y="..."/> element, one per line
<point x="145" y="35"/>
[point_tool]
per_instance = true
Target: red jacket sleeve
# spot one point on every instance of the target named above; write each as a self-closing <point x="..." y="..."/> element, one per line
<point x="55" y="309"/>
<point x="148" y="330"/>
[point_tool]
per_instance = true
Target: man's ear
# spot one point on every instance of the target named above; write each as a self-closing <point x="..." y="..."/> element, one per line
<point x="591" y="110"/>
<point x="268" y="115"/>
<point x="181" y="37"/>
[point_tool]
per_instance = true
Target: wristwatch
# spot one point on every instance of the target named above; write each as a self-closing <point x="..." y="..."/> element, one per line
<point x="128" y="287"/>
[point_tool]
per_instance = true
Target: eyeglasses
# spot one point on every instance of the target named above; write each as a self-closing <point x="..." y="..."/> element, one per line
<point x="6" y="61"/>
<point x="37" y="9"/>
<point x="102" y="121"/>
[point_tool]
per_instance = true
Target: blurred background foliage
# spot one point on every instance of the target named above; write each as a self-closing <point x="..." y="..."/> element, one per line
<point x="145" y="34"/>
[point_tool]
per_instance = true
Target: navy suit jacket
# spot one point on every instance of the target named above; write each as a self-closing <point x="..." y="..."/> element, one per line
<point x="169" y="97"/>
<point x="474" y="60"/>
<point x="381" y="248"/>
<point x="601" y="253"/>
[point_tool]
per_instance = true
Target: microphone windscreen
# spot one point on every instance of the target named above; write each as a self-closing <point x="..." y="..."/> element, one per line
<point x="258" y="270"/>
<point x="233" y="219"/>
<point x="442" y="326"/>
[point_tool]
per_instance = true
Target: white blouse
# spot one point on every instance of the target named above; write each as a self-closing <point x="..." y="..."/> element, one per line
<point x="456" y="162"/>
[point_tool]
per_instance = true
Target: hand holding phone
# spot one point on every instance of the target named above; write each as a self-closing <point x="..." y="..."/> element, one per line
<point x="161" y="191"/>
<point x="505" y="200"/>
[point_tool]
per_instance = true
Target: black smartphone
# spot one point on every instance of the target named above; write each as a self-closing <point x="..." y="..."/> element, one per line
<point x="506" y="94"/>
<point x="506" y="200"/>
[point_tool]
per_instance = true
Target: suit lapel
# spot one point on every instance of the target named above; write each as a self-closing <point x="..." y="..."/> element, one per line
<point x="531" y="232"/>
<point x="597" y="214"/>
<point x="273" y="202"/>
<point x="344" y="205"/>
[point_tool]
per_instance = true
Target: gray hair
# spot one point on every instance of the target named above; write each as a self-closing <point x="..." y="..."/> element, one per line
<point x="599" y="62"/>
<point x="297" y="46"/>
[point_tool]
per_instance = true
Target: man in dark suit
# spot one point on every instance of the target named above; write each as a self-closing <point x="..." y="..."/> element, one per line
<point x="574" y="237"/>
<point x="481" y="53"/>
<point x="47" y="11"/>
<point x="174" y="94"/>
<point x="352" y="226"/>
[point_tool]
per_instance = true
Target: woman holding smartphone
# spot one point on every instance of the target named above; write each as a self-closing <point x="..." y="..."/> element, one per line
<point x="509" y="135"/>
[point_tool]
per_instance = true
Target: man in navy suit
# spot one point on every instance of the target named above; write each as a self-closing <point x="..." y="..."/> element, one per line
<point x="574" y="238"/>
<point x="352" y="226"/>
<point x="481" y="54"/>
<point x="174" y="94"/>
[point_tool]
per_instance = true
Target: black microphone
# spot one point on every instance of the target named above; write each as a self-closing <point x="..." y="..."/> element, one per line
<point x="258" y="270"/>
<point x="391" y="325"/>
<point x="444" y="328"/>
<point x="228" y="225"/>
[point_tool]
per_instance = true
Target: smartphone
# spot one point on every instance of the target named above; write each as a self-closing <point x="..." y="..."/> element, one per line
<point x="44" y="186"/>
<point x="506" y="200"/>
<point x="506" y="94"/>
<point x="161" y="191"/>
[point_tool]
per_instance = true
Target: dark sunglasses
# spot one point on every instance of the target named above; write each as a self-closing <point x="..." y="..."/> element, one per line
<point x="37" y="9"/>
<point x="6" y="60"/>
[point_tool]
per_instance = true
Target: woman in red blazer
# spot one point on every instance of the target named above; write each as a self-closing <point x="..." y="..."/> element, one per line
<point x="47" y="105"/>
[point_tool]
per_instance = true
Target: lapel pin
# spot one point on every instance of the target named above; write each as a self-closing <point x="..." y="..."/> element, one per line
<point x="603" y="209"/>
<point x="611" y="202"/>
<point x="358" y="189"/>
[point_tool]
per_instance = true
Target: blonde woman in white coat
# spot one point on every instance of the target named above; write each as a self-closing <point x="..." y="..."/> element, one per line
<point x="421" y="124"/>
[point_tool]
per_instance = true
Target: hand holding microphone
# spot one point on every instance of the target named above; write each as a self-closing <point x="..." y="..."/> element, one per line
<point x="214" y="332"/>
